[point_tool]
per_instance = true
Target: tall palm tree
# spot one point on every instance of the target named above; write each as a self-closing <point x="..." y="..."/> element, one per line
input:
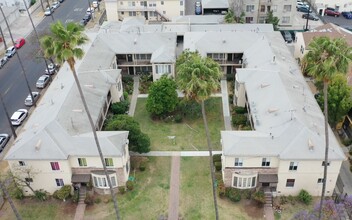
<point x="198" y="78"/>
<point x="326" y="58"/>
<point x="64" y="44"/>
<point x="9" y="199"/>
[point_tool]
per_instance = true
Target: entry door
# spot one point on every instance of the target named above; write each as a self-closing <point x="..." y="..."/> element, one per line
<point x="129" y="57"/>
<point x="265" y="184"/>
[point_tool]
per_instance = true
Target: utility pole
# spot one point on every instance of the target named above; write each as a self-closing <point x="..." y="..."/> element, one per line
<point x="13" y="207"/>
<point x="8" y="117"/>
<point x="306" y="29"/>
<point x="3" y="38"/>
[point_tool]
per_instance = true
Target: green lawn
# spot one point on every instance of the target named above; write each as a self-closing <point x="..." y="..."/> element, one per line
<point x="190" y="134"/>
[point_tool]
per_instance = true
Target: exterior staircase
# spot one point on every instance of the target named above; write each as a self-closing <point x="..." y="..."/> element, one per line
<point x="82" y="194"/>
<point x="268" y="198"/>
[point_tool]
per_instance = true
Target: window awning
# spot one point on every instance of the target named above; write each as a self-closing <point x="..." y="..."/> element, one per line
<point x="80" y="178"/>
<point x="267" y="178"/>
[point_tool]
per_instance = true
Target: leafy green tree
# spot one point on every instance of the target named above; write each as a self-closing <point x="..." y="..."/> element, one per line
<point x="64" y="43"/>
<point x="242" y="18"/>
<point x="339" y="99"/>
<point x="326" y="57"/>
<point x="198" y="78"/>
<point x="138" y="141"/>
<point x="230" y="16"/>
<point x="162" y="97"/>
<point x="271" y="19"/>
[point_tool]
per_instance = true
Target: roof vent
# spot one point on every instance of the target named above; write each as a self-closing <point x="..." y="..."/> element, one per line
<point x="263" y="85"/>
<point x="77" y="110"/>
<point x="135" y="41"/>
<point x="310" y="145"/>
<point x="272" y="110"/>
<point x="224" y="41"/>
<point x="38" y="145"/>
<point x="90" y="86"/>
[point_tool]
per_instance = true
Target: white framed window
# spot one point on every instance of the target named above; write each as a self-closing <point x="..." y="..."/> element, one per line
<point x="164" y="12"/>
<point x="262" y="8"/>
<point x="181" y="3"/>
<point x="266" y="162"/>
<point x="109" y="162"/>
<point x="152" y="4"/>
<point x="249" y="20"/>
<point x="55" y="165"/>
<point x="100" y="181"/>
<point x="162" y="2"/>
<point x="274" y="8"/>
<point x="28" y="179"/>
<point x="285" y="19"/>
<point x="290" y="182"/>
<point x="132" y="13"/>
<point x="127" y="167"/>
<point x="323" y="163"/>
<point x="121" y="3"/>
<point x="142" y="56"/>
<point x="216" y="56"/>
<point x="21" y="163"/>
<point x="244" y="182"/>
<point x="181" y="13"/>
<point x="238" y="162"/>
<point x="293" y="166"/>
<point x="82" y="162"/>
<point x="59" y="182"/>
<point x="249" y="8"/>
<point x="163" y="69"/>
<point x="287" y="8"/>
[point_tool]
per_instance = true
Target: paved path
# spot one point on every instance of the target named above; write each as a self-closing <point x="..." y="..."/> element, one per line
<point x="175" y="153"/>
<point x="80" y="211"/>
<point x="225" y="105"/>
<point x="134" y="96"/>
<point x="174" y="188"/>
<point x="269" y="213"/>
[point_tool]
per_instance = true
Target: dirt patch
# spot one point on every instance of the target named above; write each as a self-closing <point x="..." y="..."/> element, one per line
<point x="252" y="209"/>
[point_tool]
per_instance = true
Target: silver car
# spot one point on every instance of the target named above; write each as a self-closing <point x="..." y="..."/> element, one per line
<point x="28" y="101"/>
<point x="43" y="81"/>
<point x="3" y="61"/>
<point x="52" y="69"/>
<point x="18" y="117"/>
<point x="4" y="138"/>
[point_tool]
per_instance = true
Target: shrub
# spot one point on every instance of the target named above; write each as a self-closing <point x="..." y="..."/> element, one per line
<point x="130" y="185"/>
<point x="291" y="200"/>
<point x="120" y="107"/>
<point x="246" y="193"/>
<point x="217" y="166"/>
<point x="55" y="194"/>
<point x="233" y="194"/>
<point x="240" y="110"/>
<point x="64" y="192"/>
<point x="17" y="193"/>
<point x="304" y="197"/>
<point x="89" y="200"/>
<point x="33" y="2"/>
<point x="217" y="158"/>
<point x="97" y="200"/>
<point x="259" y="196"/>
<point x="230" y="99"/>
<point x="125" y="95"/>
<point x="122" y="189"/>
<point x="40" y="195"/>
<point x="283" y="200"/>
<point x="221" y="188"/>
<point x="350" y="152"/>
<point x="190" y="109"/>
<point x="75" y="196"/>
<point x="178" y="118"/>
<point x="142" y="166"/>
<point x="238" y="119"/>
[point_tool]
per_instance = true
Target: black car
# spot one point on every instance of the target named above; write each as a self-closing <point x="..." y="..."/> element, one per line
<point x="83" y="22"/>
<point x="313" y="17"/>
<point x="4" y="138"/>
<point x="303" y="9"/>
<point x="87" y="17"/>
<point x="61" y="1"/>
<point x="287" y="36"/>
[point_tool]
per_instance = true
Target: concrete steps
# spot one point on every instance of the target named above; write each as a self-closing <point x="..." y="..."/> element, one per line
<point x="268" y="199"/>
<point x="82" y="194"/>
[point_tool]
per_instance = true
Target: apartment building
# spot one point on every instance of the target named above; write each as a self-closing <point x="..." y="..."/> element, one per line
<point x="339" y="5"/>
<point x="117" y="10"/>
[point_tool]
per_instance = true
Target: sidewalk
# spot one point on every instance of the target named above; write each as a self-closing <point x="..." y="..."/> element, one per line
<point x="176" y="153"/>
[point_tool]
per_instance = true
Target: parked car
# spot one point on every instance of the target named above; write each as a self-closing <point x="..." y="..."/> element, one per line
<point x="52" y="69"/>
<point x="198" y="8"/>
<point x="347" y="14"/>
<point x="287" y="36"/>
<point x="10" y="52"/>
<point x="83" y="22"/>
<point x="28" y="101"/>
<point x="87" y="17"/>
<point x="18" y="117"/>
<point x="90" y="10"/>
<point x="303" y="9"/>
<point x="48" y="11"/>
<point x="43" y="81"/>
<point x="310" y="16"/>
<point x="302" y="4"/>
<point x="55" y="5"/>
<point x="332" y="12"/>
<point x="20" y="42"/>
<point x="4" y="138"/>
<point x="95" y="4"/>
<point x="61" y="1"/>
<point x="3" y="61"/>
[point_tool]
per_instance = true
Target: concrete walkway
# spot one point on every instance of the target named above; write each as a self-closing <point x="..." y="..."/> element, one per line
<point x="174" y="188"/>
<point x="225" y="105"/>
<point x="134" y="96"/>
<point x="81" y="208"/>
<point x="269" y="213"/>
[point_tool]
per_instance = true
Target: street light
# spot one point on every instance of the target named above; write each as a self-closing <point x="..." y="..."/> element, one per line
<point x="306" y="29"/>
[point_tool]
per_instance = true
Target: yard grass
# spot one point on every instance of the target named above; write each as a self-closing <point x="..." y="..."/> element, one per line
<point x="289" y="210"/>
<point x="31" y="208"/>
<point x="148" y="200"/>
<point x="196" y="198"/>
<point x="190" y="134"/>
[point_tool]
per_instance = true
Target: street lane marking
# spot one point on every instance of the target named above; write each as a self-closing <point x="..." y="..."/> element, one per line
<point x="78" y="9"/>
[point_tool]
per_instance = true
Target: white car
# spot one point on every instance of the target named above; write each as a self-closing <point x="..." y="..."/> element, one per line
<point x="48" y="11"/>
<point x="18" y="117"/>
<point x="43" y="81"/>
<point x="3" y="61"/>
<point x="28" y="101"/>
<point x="10" y="51"/>
<point x="55" y="5"/>
<point x="90" y="10"/>
<point x="52" y="69"/>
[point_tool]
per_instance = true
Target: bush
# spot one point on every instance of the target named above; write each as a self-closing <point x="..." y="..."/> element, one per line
<point x="64" y="192"/>
<point x="350" y="152"/>
<point x="127" y="84"/>
<point x="233" y="194"/>
<point x="120" y="107"/>
<point x="239" y="120"/>
<point x="283" y="200"/>
<point x="217" y="158"/>
<point x="75" y="196"/>
<point x="230" y="99"/>
<point x="97" y="200"/>
<point x="240" y="110"/>
<point x="217" y="166"/>
<point x="40" y="195"/>
<point x="291" y="200"/>
<point x="259" y="196"/>
<point x="246" y="193"/>
<point x="129" y="185"/>
<point x="221" y="188"/>
<point x="17" y="193"/>
<point x="122" y="189"/>
<point x="125" y="95"/>
<point x="55" y="194"/>
<point x="347" y="142"/>
<point x="89" y="200"/>
<point x="142" y="166"/>
<point x="33" y="2"/>
<point x="178" y="118"/>
<point x="304" y="197"/>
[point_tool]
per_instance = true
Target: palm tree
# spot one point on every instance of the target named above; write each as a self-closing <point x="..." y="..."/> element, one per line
<point x="198" y="78"/>
<point x="63" y="44"/>
<point x="326" y="58"/>
<point x="9" y="199"/>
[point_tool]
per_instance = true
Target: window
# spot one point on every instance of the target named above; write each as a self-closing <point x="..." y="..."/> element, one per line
<point x="238" y="162"/>
<point x="113" y="181"/>
<point x="152" y="14"/>
<point x="59" y="182"/>
<point x="142" y="56"/>
<point x="266" y="162"/>
<point x="244" y="182"/>
<point x="127" y="167"/>
<point x="29" y="180"/>
<point x="142" y="3"/>
<point x="164" y="12"/>
<point x="162" y="2"/>
<point x="274" y="8"/>
<point x="181" y="3"/>
<point x="181" y="13"/>
<point x="285" y="20"/>
<point x="249" y="8"/>
<point x="101" y="181"/>
<point x="217" y="56"/>
<point x="132" y="13"/>
<point x="163" y="69"/>
<point x="109" y="162"/>
<point x="293" y="166"/>
<point x="55" y="165"/>
<point x="152" y="4"/>
<point x="323" y="163"/>
<point x="22" y="163"/>
<point x="121" y="3"/>
<point x="82" y="162"/>
<point x="249" y="19"/>
<point x="287" y="8"/>
<point x="290" y="182"/>
<point x="320" y="180"/>
<point x="262" y="8"/>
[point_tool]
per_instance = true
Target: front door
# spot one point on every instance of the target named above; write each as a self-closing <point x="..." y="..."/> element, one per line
<point x="265" y="184"/>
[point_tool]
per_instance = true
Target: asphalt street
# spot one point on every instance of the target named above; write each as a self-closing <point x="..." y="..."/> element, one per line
<point x="13" y="86"/>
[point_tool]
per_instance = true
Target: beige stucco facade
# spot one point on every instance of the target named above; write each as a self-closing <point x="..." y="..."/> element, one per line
<point x="340" y="5"/>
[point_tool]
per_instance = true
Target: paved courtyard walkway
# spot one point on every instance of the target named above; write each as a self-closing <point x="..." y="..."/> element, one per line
<point x="81" y="207"/>
<point x="174" y="195"/>
<point x="134" y="96"/>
